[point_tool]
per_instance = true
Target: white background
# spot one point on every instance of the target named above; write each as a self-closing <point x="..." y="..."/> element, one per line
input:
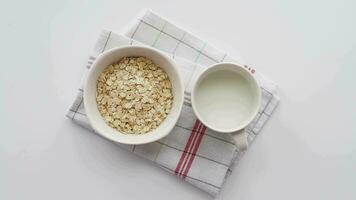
<point x="306" y="151"/>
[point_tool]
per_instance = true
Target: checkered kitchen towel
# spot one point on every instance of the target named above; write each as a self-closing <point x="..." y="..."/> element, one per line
<point x="198" y="155"/>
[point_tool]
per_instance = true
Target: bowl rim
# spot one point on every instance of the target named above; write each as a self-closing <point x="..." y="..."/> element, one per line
<point x="93" y="122"/>
<point x="248" y="120"/>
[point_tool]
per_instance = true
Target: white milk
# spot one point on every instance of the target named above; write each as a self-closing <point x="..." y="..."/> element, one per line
<point x="224" y="98"/>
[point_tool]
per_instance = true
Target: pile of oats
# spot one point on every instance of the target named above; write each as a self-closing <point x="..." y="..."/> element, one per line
<point x="134" y="95"/>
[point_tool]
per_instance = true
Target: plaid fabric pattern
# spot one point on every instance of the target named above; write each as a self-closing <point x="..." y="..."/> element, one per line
<point x="192" y="152"/>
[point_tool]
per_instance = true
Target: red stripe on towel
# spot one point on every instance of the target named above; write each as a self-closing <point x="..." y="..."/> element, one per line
<point x="189" y="152"/>
<point x="201" y="134"/>
<point x="187" y="145"/>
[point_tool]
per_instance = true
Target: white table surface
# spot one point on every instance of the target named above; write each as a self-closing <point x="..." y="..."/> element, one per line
<point x="306" y="151"/>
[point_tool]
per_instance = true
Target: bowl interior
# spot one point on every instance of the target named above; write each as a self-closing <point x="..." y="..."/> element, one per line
<point x="226" y="97"/>
<point x="112" y="56"/>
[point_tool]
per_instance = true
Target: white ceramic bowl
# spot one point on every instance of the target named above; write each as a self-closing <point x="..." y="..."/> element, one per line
<point x="226" y="97"/>
<point x="113" y="55"/>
